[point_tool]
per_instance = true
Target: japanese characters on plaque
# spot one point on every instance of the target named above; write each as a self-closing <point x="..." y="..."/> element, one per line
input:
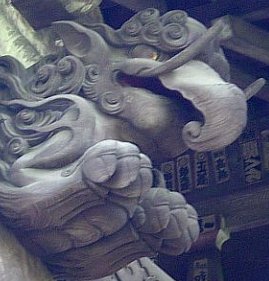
<point x="265" y="149"/>
<point x="191" y="170"/>
<point x="248" y="156"/>
<point x="201" y="170"/>
<point x="252" y="162"/>
<point x="251" y="156"/>
<point x="207" y="223"/>
<point x="221" y="168"/>
<point x="200" y="270"/>
<point x="168" y="170"/>
<point x="184" y="173"/>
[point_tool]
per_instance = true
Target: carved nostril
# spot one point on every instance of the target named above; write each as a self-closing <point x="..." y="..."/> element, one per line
<point x="192" y="129"/>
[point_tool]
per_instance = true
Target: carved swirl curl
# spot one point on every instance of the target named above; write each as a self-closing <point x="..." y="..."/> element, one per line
<point x="17" y="146"/>
<point x="167" y="33"/>
<point x="26" y="116"/>
<point x="112" y="102"/>
<point x="93" y="75"/>
<point x="89" y="91"/>
<point x="151" y="32"/>
<point x="65" y="66"/>
<point x="130" y="31"/>
<point x="174" y="36"/>
<point x="46" y="81"/>
<point x="148" y="15"/>
<point x="73" y="72"/>
<point x="177" y="16"/>
<point x="29" y="119"/>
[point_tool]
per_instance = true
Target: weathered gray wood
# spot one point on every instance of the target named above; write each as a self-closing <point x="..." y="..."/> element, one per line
<point x="140" y="270"/>
<point x="243" y="79"/>
<point x="241" y="210"/>
<point x="247" y="39"/>
<point x="41" y="14"/>
<point x="215" y="9"/>
<point x="76" y="183"/>
<point x="138" y="5"/>
<point x="257" y="15"/>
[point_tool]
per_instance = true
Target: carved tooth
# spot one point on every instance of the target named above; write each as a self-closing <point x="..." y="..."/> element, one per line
<point x="254" y="88"/>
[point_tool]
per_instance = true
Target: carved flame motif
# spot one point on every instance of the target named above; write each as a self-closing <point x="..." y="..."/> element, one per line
<point x="74" y="186"/>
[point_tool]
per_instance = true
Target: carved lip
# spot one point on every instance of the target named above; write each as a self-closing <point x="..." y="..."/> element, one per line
<point x="218" y="108"/>
<point x="222" y="104"/>
<point x="156" y="87"/>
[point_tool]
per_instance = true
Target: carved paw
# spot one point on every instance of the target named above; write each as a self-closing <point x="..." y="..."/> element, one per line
<point x="166" y="222"/>
<point x="117" y="165"/>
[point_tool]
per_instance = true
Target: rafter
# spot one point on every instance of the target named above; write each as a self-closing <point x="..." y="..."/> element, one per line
<point x="247" y="39"/>
<point x="137" y="5"/>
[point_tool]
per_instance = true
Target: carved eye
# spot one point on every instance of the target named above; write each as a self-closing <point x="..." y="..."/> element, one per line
<point x="144" y="51"/>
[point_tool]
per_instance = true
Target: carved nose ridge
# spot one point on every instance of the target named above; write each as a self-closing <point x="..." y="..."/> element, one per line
<point x="222" y="104"/>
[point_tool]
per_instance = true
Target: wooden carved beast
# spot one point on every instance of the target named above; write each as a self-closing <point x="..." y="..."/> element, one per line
<point x="79" y="133"/>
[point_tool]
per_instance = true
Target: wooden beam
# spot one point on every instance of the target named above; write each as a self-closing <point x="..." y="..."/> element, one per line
<point x="218" y="8"/>
<point x="241" y="211"/>
<point x="247" y="39"/>
<point x="139" y="270"/>
<point x="257" y="15"/>
<point x="138" y="5"/>
<point x="244" y="79"/>
<point x="41" y="14"/>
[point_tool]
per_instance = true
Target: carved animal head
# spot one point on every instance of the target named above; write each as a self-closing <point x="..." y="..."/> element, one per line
<point x="137" y="84"/>
<point x="163" y="80"/>
<point x="145" y="72"/>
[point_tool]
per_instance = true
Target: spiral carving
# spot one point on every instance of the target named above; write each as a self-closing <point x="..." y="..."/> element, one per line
<point x="150" y="33"/>
<point x="132" y="27"/>
<point x="66" y="77"/>
<point x="177" y="16"/>
<point x="47" y="81"/>
<point x="26" y="117"/>
<point x="148" y="15"/>
<point x="65" y="66"/>
<point x="72" y="71"/>
<point x="168" y="33"/>
<point x="17" y="146"/>
<point x="112" y="102"/>
<point x="93" y="73"/>
<point x="30" y="119"/>
<point x="130" y="31"/>
<point x="89" y="91"/>
<point x="174" y="36"/>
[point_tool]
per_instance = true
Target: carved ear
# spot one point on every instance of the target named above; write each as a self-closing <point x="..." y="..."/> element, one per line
<point x="76" y="41"/>
<point x="82" y="42"/>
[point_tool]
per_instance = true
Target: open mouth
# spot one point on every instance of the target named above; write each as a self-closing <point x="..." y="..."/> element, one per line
<point x="215" y="110"/>
<point x="186" y="109"/>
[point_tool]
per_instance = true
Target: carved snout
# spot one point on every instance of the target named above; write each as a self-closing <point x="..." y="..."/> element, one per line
<point x="222" y="104"/>
<point x="225" y="117"/>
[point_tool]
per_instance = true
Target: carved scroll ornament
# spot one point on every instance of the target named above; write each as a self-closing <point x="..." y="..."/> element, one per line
<point x="76" y="186"/>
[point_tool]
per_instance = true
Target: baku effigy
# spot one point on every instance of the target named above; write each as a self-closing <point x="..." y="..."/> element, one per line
<point x="80" y="133"/>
